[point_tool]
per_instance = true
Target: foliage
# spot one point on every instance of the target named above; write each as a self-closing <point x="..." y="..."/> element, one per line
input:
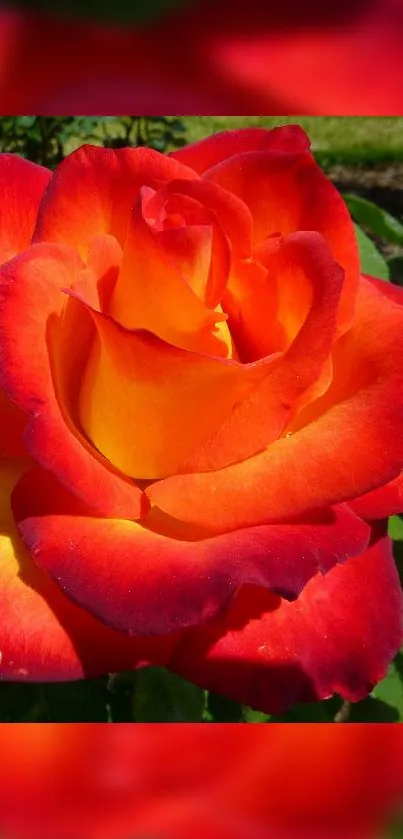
<point x="154" y="694"/>
<point x="381" y="229"/>
<point x="47" y="140"/>
<point x="40" y="139"/>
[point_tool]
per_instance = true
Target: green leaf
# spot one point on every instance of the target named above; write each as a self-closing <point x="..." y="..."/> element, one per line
<point x="372" y="709"/>
<point x="25" y="121"/>
<point x="371" y="260"/>
<point x="395" y="528"/>
<point x="311" y="712"/>
<point x="395" y="265"/>
<point x="375" y="219"/>
<point x="249" y="715"/>
<point x="223" y="709"/>
<point x="20" y="702"/>
<point x="160" y="696"/>
<point x="83" y="701"/>
<point x="390" y="689"/>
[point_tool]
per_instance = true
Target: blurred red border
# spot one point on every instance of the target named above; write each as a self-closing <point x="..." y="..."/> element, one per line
<point x="250" y="57"/>
<point x="198" y="781"/>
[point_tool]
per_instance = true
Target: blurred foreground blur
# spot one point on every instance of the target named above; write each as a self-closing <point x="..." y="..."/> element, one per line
<point x="200" y="56"/>
<point x="200" y="782"/>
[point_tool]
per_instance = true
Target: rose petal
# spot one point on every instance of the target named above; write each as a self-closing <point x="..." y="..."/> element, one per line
<point x="233" y="215"/>
<point x="288" y="192"/>
<point x="13" y="422"/>
<point x="201" y="251"/>
<point x="152" y="294"/>
<point x="305" y="282"/>
<point x="145" y="582"/>
<point x="326" y="459"/>
<point x="93" y="189"/>
<point x="338" y="637"/>
<point x="21" y="187"/>
<point x="390" y="290"/>
<point x="33" y="309"/>
<point x="97" y="280"/>
<point x="380" y="503"/>
<point x="147" y="405"/>
<point x="44" y="636"/>
<point x="208" y="152"/>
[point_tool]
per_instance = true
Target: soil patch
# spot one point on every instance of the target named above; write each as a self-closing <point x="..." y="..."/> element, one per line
<point x="381" y="183"/>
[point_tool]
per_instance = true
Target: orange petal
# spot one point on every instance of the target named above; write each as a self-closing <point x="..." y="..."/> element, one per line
<point x="147" y="405"/>
<point x="286" y="192"/>
<point x="301" y="270"/>
<point x="151" y="294"/>
<point x="232" y="214"/>
<point x="204" y="255"/>
<point x="326" y="460"/>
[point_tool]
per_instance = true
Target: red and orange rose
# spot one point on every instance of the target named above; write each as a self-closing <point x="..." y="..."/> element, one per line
<point x="201" y="420"/>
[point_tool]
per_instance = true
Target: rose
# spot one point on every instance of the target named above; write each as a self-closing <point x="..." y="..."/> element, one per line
<point x="211" y="396"/>
<point x="235" y="782"/>
<point x="262" y="57"/>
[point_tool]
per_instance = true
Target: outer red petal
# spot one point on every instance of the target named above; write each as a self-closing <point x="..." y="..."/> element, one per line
<point x="338" y="637"/>
<point x="390" y="290"/>
<point x="345" y="444"/>
<point x="202" y="155"/>
<point x="286" y="192"/>
<point x="21" y="187"/>
<point x="92" y="191"/>
<point x="31" y="305"/>
<point x="141" y="582"/>
<point x="381" y="503"/>
<point x="13" y="422"/>
<point x="43" y="635"/>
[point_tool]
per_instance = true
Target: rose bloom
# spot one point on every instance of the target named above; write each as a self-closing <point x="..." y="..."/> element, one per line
<point x="231" y="782"/>
<point x="209" y="57"/>
<point x="201" y="423"/>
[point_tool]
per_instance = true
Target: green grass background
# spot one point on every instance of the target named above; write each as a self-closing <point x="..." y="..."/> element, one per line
<point x="356" y="140"/>
<point x="373" y="136"/>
